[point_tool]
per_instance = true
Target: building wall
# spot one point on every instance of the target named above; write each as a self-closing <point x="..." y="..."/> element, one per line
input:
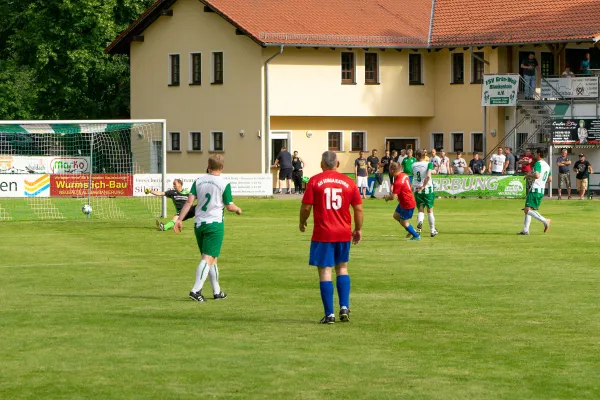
<point x="231" y="107"/>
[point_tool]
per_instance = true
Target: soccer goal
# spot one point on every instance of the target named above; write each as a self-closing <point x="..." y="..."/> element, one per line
<point x="51" y="169"/>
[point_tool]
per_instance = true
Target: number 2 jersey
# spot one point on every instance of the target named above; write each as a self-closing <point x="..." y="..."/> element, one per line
<point x="213" y="193"/>
<point x="420" y="169"/>
<point x="331" y="194"/>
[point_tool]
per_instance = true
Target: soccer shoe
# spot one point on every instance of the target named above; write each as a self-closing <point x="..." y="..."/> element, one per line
<point x="345" y="315"/>
<point x="328" y="319"/>
<point x="197" y="296"/>
<point x="162" y="226"/>
<point x="523" y="233"/>
<point x="547" y="225"/>
<point x="415" y="238"/>
<point x="158" y="225"/>
<point x="408" y="235"/>
<point x="434" y="233"/>
<point x="220" y="295"/>
<point x="419" y="227"/>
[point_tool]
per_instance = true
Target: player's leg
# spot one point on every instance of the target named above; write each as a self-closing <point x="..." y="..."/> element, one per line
<point x="429" y="203"/>
<point x="421" y="206"/>
<point x="213" y="276"/>
<point x="210" y="247"/>
<point x="534" y="204"/>
<point x="527" y="220"/>
<point x="170" y="224"/>
<point x="403" y="216"/>
<point x="322" y="257"/>
<point x="342" y="278"/>
<point x="212" y="244"/>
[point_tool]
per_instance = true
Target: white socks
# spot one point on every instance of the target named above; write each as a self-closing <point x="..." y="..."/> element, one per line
<point x="420" y="217"/>
<point x="527" y="223"/>
<point x="201" y="274"/>
<point x="537" y="216"/>
<point x="431" y="220"/>
<point x="213" y="275"/>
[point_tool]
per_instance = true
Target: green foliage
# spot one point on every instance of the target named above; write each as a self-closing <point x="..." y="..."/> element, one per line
<point x="52" y="61"/>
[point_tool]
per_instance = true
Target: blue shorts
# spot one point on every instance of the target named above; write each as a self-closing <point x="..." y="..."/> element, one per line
<point x="405" y="214"/>
<point x="410" y="179"/>
<point x="328" y="254"/>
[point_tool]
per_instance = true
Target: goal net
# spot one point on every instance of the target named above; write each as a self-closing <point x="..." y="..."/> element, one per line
<point x="51" y="169"/>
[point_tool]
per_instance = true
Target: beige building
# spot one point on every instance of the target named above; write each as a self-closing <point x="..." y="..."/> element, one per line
<point x="246" y="79"/>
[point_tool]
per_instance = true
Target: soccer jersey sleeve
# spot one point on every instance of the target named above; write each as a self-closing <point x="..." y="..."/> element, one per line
<point x="170" y="194"/>
<point x="308" y="197"/>
<point x="193" y="190"/>
<point x="537" y="167"/>
<point x="430" y="166"/>
<point x="227" y="197"/>
<point x="355" y="195"/>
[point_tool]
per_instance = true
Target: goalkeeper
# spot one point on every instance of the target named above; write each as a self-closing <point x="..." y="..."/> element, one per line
<point x="179" y="197"/>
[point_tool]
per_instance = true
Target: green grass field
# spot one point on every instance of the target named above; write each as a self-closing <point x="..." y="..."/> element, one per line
<point x="98" y="309"/>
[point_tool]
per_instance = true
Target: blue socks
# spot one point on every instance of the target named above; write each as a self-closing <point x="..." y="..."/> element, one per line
<point x="327" y="297"/>
<point x="343" y="288"/>
<point x="412" y="231"/>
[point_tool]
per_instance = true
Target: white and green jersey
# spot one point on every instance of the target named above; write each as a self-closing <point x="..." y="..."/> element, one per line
<point x="539" y="185"/>
<point x="419" y="170"/>
<point x="213" y="194"/>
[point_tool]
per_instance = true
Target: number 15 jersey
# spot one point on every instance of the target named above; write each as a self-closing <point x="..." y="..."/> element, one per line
<point x="213" y="193"/>
<point x="331" y="194"/>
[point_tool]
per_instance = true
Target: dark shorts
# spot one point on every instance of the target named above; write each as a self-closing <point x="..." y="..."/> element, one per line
<point x="328" y="254"/>
<point x="285" y="173"/>
<point x="405" y="215"/>
<point x="190" y="214"/>
<point x="496" y="173"/>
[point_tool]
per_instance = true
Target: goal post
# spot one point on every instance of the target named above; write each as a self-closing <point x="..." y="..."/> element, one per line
<point x="50" y="169"/>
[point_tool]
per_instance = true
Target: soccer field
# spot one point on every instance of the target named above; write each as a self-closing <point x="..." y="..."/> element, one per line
<point x="98" y="309"/>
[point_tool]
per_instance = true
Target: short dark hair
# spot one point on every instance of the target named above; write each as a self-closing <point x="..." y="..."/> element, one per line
<point x="532" y="53"/>
<point x="475" y="153"/>
<point x="509" y="148"/>
<point x="541" y="151"/>
<point x="419" y="154"/>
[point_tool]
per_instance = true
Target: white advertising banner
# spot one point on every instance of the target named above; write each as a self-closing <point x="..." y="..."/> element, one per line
<point x="43" y="165"/>
<point x="499" y="90"/>
<point x="24" y="185"/>
<point x="241" y="184"/>
<point x="579" y="87"/>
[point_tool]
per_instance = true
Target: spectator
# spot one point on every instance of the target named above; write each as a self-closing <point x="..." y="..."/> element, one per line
<point x="435" y="160"/>
<point x="402" y="156"/>
<point x="385" y="163"/>
<point x="459" y="164"/>
<point x="564" y="173"/>
<point x="476" y="166"/>
<point x="496" y="163"/>
<point x="444" y="164"/>
<point x="362" y="174"/>
<point x="373" y="165"/>
<point x="530" y="66"/>
<point x="526" y="163"/>
<point x="510" y="163"/>
<point x="425" y="157"/>
<point x="394" y="156"/>
<point x="586" y="64"/>
<point x="583" y="169"/>
<point x="284" y="161"/>
<point x="568" y="73"/>
<point x="407" y="163"/>
<point x="297" y="173"/>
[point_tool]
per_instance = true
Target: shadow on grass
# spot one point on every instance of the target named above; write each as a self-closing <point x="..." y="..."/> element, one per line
<point x="119" y="296"/>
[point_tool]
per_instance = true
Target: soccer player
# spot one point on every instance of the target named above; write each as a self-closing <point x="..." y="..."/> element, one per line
<point x="214" y="195"/>
<point x="331" y="194"/>
<point x="424" y="195"/>
<point x="541" y="174"/>
<point x="402" y="191"/>
<point x="179" y="197"/>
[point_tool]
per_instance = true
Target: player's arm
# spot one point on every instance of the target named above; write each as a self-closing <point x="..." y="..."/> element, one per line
<point x="186" y="208"/>
<point x="155" y="192"/>
<point x="305" y="210"/>
<point x="358" y="223"/>
<point x="427" y="179"/>
<point x="228" y="201"/>
<point x="392" y="196"/>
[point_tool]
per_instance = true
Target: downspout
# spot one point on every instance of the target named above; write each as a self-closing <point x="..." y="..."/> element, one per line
<point x="268" y="113"/>
<point x="431" y="24"/>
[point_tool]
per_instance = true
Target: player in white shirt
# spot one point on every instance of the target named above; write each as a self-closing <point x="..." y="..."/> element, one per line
<point x="424" y="195"/>
<point x="541" y="174"/>
<point x="496" y="163"/>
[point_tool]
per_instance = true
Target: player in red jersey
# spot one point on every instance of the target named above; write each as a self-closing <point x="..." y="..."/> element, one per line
<point x="331" y="194"/>
<point x="402" y="191"/>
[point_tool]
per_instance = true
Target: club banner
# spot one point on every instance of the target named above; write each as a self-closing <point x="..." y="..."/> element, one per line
<point x="103" y="185"/>
<point x="499" y="90"/>
<point x="509" y="186"/>
<point x="43" y="165"/>
<point x="576" y="131"/>
<point x="241" y="184"/>
<point x="575" y="88"/>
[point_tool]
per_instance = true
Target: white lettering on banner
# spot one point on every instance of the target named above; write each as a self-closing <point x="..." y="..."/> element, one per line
<point x="241" y="184"/>
<point x="579" y="87"/>
<point x="459" y="185"/>
<point x="43" y="165"/>
<point x="499" y="90"/>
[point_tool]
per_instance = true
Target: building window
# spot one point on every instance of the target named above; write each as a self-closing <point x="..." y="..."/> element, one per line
<point x="195" y="141"/>
<point x="196" y="68"/>
<point x="457" y="142"/>
<point x="415" y="69"/>
<point x="217" y="67"/>
<point x="174" y="141"/>
<point x="335" y="141"/>
<point x="359" y="141"/>
<point x="458" y="68"/>
<point x="521" y="139"/>
<point x="371" y="68"/>
<point x="477" y="68"/>
<point x="547" y="66"/>
<point x="438" y="141"/>
<point x="477" y="142"/>
<point x="216" y="141"/>
<point x="348" y="68"/>
<point x="174" y="69"/>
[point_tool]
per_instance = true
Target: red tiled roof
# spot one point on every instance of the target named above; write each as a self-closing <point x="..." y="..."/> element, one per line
<point x="472" y="22"/>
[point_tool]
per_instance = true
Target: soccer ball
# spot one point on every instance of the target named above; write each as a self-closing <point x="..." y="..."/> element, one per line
<point x="87" y="209"/>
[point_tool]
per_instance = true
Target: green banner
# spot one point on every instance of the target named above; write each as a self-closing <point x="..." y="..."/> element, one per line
<point x="508" y="187"/>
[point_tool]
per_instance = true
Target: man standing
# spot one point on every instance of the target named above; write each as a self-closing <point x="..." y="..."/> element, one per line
<point x="541" y="174"/>
<point x="424" y="195"/>
<point x="526" y="163"/>
<point x="435" y="160"/>
<point x="385" y="163"/>
<point x="496" y="163"/>
<point x="510" y="163"/>
<point x="583" y="169"/>
<point x="361" y="174"/>
<point x="425" y="157"/>
<point x="444" y="164"/>
<point x="179" y="197"/>
<point x="394" y="158"/>
<point x="284" y="160"/>
<point x="459" y="164"/>
<point x="476" y="166"/>
<point x="402" y="156"/>
<point x="373" y="165"/>
<point x="406" y="201"/>
<point x="331" y="194"/>
<point x="530" y="66"/>
<point x="586" y="64"/>
<point x="297" y="173"/>
<point x="407" y="164"/>
<point x="214" y="195"/>
<point x="564" y="173"/>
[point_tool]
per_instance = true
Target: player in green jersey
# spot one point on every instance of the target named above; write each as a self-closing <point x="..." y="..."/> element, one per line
<point x="179" y="197"/>
<point x="407" y="164"/>
<point x="541" y="174"/>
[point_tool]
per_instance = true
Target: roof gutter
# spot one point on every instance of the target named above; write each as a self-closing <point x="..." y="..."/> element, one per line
<point x="345" y="46"/>
<point x="267" y="159"/>
<point x="431" y="23"/>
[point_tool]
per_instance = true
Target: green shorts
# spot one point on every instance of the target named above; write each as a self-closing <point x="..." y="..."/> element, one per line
<point x="210" y="238"/>
<point x="425" y="199"/>
<point x="534" y="200"/>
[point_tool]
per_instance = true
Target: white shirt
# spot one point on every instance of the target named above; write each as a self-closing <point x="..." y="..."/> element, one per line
<point x="497" y="162"/>
<point x="213" y="193"/>
<point x="444" y="165"/>
<point x="436" y="161"/>
<point x="539" y="185"/>
<point x="420" y="169"/>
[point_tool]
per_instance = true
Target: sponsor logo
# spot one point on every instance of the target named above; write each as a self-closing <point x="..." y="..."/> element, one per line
<point x="69" y="165"/>
<point x="38" y="186"/>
